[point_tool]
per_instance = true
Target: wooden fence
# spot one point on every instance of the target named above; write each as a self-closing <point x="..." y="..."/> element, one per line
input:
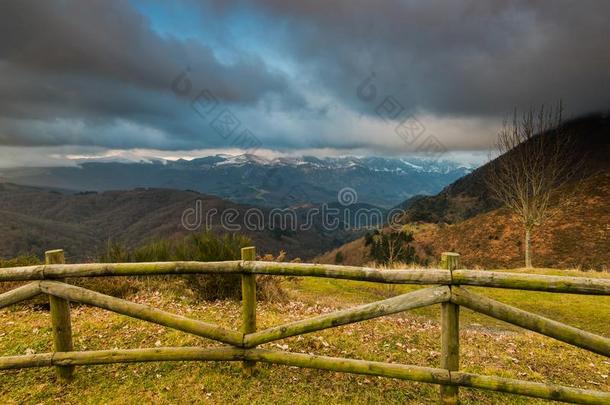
<point x="447" y="290"/>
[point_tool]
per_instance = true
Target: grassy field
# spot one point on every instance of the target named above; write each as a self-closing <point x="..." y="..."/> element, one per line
<point x="487" y="347"/>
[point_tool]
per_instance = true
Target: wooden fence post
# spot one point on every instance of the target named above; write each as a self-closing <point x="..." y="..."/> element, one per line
<point x="60" y="319"/>
<point x="450" y="334"/>
<point x="248" y="297"/>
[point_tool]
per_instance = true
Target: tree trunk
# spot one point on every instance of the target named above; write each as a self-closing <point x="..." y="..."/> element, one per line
<point x="528" y="248"/>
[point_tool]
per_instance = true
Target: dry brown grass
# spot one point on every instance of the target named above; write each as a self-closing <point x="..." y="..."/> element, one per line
<point x="577" y="237"/>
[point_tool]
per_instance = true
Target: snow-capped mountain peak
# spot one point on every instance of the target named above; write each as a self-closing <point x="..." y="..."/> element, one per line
<point x="374" y="164"/>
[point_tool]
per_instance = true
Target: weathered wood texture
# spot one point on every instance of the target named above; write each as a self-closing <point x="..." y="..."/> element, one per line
<point x="45" y="272"/>
<point x="19" y="294"/>
<point x="141" y="311"/>
<point x="60" y="319"/>
<point x="534" y="282"/>
<point x="450" y="333"/>
<point x="248" y="299"/>
<point x="429" y="276"/>
<point x="537" y="282"/>
<point x="400" y="371"/>
<point x="531" y="389"/>
<point x="450" y="261"/>
<point x="431" y="375"/>
<point x="569" y="334"/>
<point x="122" y="356"/>
<point x="404" y="302"/>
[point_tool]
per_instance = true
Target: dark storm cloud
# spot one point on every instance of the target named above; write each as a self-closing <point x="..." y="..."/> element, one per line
<point x="108" y="39"/>
<point x="96" y="73"/>
<point x="456" y="57"/>
<point x="99" y="61"/>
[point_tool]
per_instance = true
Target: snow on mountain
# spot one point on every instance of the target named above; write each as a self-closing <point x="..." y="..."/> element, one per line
<point x="375" y="164"/>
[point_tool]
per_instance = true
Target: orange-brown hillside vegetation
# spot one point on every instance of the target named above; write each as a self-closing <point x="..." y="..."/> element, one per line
<point x="577" y="236"/>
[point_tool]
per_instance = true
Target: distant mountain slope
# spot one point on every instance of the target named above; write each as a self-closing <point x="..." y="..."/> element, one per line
<point x="468" y="196"/>
<point x="35" y="220"/>
<point x="252" y="180"/>
<point x="576" y="237"/>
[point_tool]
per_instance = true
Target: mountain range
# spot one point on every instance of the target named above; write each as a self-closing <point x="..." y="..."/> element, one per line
<point x="253" y="180"/>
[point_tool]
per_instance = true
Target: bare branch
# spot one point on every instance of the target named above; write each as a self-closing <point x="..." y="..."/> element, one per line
<point x="535" y="160"/>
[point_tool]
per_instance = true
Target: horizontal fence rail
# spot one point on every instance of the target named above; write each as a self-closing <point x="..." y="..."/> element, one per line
<point x="400" y="371"/>
<point x="481" y="278"/>
<point x="447" y="290"/>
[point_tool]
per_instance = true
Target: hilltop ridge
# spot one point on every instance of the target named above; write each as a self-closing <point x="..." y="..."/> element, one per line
<point x="464" y="218"/>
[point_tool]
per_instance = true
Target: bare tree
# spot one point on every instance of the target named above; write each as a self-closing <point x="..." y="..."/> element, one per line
<point x="535" y="160"/>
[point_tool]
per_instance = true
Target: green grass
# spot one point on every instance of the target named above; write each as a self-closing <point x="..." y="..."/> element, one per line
<point x="588" y="312"/>
<point x="487" y="346"/>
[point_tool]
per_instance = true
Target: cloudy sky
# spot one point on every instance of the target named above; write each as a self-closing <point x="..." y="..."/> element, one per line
<point x="149" y="78"/>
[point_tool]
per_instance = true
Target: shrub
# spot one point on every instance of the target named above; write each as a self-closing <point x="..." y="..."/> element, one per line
<point x="20" y="261"/>
<point x="202" y="247"/>
<point x="268" y="288"/>
<point x="339" y="258"/>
